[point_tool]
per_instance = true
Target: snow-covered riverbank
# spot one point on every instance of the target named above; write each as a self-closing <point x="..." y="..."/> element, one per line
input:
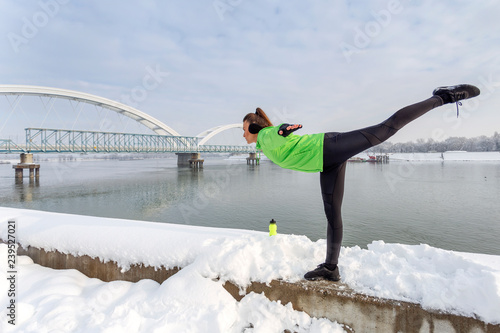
<point x="458" y="156"/>
<point x="194" y="299"/>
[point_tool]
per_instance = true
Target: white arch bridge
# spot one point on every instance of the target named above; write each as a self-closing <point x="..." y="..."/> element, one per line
<point x="165" y="139"/>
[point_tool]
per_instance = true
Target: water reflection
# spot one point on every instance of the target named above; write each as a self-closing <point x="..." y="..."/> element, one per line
<point x="24" y="191"/>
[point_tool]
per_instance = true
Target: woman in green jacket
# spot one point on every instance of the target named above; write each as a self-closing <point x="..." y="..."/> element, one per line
<point x="327" y="153"/>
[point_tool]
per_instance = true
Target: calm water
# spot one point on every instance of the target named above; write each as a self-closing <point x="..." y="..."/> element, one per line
<point x="451" y="205"/>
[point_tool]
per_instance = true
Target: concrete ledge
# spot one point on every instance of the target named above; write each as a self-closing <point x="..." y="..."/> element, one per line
<point x="335" y="301"/>
<point x="94" y="267"/>
<point x="362" y="313"/>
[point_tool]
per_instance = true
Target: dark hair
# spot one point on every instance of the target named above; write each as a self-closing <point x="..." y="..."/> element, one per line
<point x="259" y="118"/>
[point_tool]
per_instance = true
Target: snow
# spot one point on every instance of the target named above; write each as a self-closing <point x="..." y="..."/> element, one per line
<point x="68" y="301"/>
<point x="193" y="300"/>
<point x="465" y="284"/>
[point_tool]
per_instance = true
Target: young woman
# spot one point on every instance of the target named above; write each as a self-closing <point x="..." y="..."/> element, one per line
<point x="327" y="153"/>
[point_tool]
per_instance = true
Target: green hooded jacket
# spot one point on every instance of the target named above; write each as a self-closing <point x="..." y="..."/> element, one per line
<point x="295" y="152"/>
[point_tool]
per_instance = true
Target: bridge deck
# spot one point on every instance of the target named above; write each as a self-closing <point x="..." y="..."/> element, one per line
<point x="43" y="140"/>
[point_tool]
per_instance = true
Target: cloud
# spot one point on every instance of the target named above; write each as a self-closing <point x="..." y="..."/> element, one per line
<point x="271" y="54"/>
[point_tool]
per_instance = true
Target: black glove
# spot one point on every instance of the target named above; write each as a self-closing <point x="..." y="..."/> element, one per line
<point x="254" y="128"/>
<point x="283" y="131"/>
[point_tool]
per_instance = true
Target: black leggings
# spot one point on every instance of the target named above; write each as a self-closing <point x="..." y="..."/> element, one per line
<point x="339" y="147"/>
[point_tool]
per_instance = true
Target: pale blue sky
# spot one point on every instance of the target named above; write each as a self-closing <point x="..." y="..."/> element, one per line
<point x="330" y="65"/>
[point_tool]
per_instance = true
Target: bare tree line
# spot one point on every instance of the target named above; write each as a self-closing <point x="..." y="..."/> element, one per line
<point x="475" y="144"/>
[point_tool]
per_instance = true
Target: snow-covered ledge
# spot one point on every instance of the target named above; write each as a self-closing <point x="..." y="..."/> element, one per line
<point x="457" y="292"/>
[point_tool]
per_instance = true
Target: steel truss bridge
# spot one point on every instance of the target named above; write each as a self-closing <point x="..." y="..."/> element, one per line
<point x="165" y="139"/>
<point x="43" y="140"/>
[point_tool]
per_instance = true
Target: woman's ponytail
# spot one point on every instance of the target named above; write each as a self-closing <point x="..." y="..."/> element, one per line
<point x="259" y="117"/>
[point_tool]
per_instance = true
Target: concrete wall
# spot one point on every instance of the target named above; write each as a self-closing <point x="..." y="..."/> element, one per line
<point x="94" y="267"/>
<point x="335" y="301"/>
<point x="362" y="313"/>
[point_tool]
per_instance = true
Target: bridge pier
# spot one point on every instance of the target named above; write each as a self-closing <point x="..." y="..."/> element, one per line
<point x="183" y="159"/>
<point x="189" y="159"/>
<point x="195" y="161"/>
<point x="27" y="163"/>
<point x="253" y="159"/>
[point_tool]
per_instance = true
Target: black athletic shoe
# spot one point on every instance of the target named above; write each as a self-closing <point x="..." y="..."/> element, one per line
<point x="323" y="273"/>
<point x="453" y="94"/>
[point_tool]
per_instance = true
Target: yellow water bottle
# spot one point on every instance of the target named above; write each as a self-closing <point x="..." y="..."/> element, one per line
<point x="273" y="228"/>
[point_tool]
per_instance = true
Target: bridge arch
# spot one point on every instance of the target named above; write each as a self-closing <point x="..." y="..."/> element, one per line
<point x="150" y="122"/>
<point x="210" y="133"/>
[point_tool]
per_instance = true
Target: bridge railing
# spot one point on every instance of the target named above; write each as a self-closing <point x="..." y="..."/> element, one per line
<point x="225" y="149"/>
<point x="43" y="140"/>
<point x="71" y="141"/>
<point x="8" y="146"/>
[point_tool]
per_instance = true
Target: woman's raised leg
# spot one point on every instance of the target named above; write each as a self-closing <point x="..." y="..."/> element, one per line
<point x="339" y="147"/>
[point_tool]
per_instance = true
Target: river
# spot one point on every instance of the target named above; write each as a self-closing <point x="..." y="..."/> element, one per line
<point x="452" y="205"/>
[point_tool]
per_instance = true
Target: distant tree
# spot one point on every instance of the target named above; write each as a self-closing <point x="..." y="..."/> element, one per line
<point x="480" y="143"/>
<point x="483" y="143"/>
<point x="496" y="139"/>
<point x="456" y="143"/>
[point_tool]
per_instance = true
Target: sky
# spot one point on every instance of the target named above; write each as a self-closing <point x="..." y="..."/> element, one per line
<point x="331" y="66"/>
